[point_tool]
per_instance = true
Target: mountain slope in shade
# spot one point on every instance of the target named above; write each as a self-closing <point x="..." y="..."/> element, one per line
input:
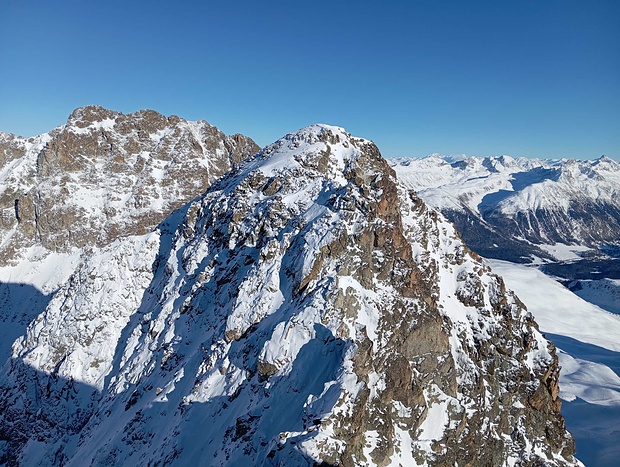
<point x="101" y="176"/>
<point x="306" y="309"/>
<point x="105" y="174"/>
<point x="509" y="208"/>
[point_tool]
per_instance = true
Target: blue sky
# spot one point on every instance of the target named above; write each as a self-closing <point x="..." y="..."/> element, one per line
<point x="525" y="78"/>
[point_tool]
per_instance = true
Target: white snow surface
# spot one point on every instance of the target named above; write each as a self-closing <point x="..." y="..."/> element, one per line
<point x="557" y="310"/>
<point x="102" y="296"/>
<point x="564" y="252"/>
<point x="593" y="382"/>
<point x="26" y="289"/>
<point x="531" y="183"/>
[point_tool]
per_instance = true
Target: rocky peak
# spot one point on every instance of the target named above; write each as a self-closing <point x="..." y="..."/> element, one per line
<point x="312" y="310"/>
<point x="105" y="174"/>
<point x="607" y="164"/>
<point x="321" y="148"/>
<point x="83" y="117"/>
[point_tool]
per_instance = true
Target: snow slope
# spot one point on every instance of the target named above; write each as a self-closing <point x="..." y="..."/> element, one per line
<point x="604" y="293"/>
<point x="27" y="288"/>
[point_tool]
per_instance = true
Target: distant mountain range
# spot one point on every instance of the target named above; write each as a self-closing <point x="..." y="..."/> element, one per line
<point x="521" y="209"/>
<point x="174" y="296"/>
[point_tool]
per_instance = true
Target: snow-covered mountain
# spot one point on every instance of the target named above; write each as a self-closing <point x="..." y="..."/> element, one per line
<point x="306" y="309"/>
<point x="516" y="209"/>
<point x="563" y="217"/>
<point x="104" y="175"/>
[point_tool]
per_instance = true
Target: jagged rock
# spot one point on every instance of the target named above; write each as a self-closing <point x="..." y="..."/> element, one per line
<point x="307" y="309"/>
<point x="104" y="175"/>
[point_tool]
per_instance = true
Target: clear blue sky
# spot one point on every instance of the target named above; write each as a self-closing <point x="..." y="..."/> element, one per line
<point x="525" y="78"/>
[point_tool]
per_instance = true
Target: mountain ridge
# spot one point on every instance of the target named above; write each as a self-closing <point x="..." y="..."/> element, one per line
<point x="308" y="306"/>
<point x="521" y="206"/>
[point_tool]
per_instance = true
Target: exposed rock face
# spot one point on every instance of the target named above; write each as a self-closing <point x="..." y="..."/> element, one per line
<point x="105" y="174"/>
<point x="306" y="310"/>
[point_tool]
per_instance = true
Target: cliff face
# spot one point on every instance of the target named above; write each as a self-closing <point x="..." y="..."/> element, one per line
<point x="105" y="174"/>
<point x="306" y="309"/>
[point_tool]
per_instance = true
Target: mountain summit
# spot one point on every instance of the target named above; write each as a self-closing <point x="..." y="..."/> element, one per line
<point x="306" y="310"/>
<point x="103" y="175"/>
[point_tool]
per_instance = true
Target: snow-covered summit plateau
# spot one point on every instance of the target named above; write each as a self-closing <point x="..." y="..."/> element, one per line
<point x="307" y="309"/>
